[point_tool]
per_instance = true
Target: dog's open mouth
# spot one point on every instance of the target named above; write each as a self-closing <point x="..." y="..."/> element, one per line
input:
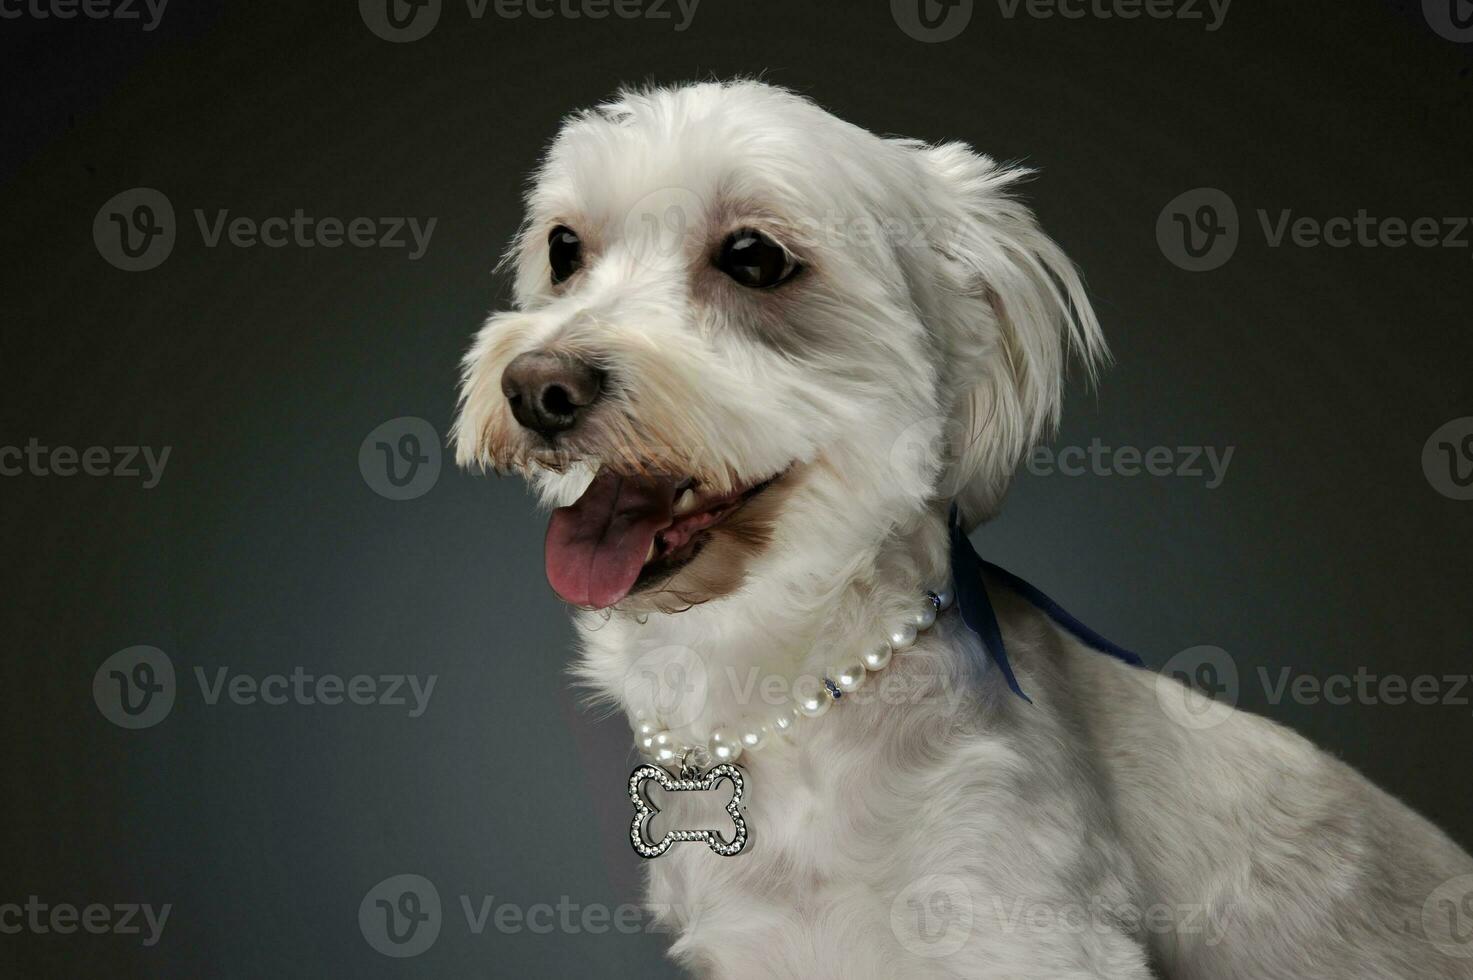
<point x="626" y="531"/>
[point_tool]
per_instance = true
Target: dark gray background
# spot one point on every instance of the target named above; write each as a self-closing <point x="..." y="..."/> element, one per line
<point x="263" y="549"/>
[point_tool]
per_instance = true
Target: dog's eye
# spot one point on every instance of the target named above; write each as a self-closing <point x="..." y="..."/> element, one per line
<point x="753" y="259"/>
<point x="564" y="253"/>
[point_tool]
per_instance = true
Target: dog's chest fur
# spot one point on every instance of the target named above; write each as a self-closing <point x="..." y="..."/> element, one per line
<point x="915" y="833"/>
<point x="953" y="830"/>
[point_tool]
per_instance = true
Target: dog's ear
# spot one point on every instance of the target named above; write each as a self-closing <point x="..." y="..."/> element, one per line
<point x="1008" y="307"/>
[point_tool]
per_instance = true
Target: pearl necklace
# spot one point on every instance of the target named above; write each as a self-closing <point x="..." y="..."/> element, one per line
<point x="812" y="697"/>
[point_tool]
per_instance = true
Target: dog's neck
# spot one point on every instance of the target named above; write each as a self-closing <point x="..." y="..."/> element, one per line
<point x="734" y="659"/>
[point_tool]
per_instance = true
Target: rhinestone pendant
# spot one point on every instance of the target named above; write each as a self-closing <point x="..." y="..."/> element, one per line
<point x="644" y="810"/>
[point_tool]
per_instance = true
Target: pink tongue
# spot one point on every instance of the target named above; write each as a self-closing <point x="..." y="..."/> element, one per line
<point x="597" y="546"/>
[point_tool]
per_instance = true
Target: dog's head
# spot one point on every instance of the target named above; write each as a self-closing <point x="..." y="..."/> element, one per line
<point x="745" y="329"/>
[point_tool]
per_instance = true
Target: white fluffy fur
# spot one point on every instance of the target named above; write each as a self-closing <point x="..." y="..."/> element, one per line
<point x="901" y="370"/>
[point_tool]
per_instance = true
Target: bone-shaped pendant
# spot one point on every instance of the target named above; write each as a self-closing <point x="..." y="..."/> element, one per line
<point x="644" y="810"/>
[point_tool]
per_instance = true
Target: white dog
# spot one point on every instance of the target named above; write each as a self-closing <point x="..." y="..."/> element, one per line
<point x="756" y="353"/>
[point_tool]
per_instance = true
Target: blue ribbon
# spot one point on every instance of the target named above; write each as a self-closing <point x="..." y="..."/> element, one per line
<point x="976" y="608"/>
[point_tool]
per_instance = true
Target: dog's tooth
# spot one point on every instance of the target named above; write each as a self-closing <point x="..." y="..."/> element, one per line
<point x="685" y="503"/>
<point x="651" y="554"/>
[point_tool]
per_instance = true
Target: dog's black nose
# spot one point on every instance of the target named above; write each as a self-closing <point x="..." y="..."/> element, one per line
<point x="549" y="393"/>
